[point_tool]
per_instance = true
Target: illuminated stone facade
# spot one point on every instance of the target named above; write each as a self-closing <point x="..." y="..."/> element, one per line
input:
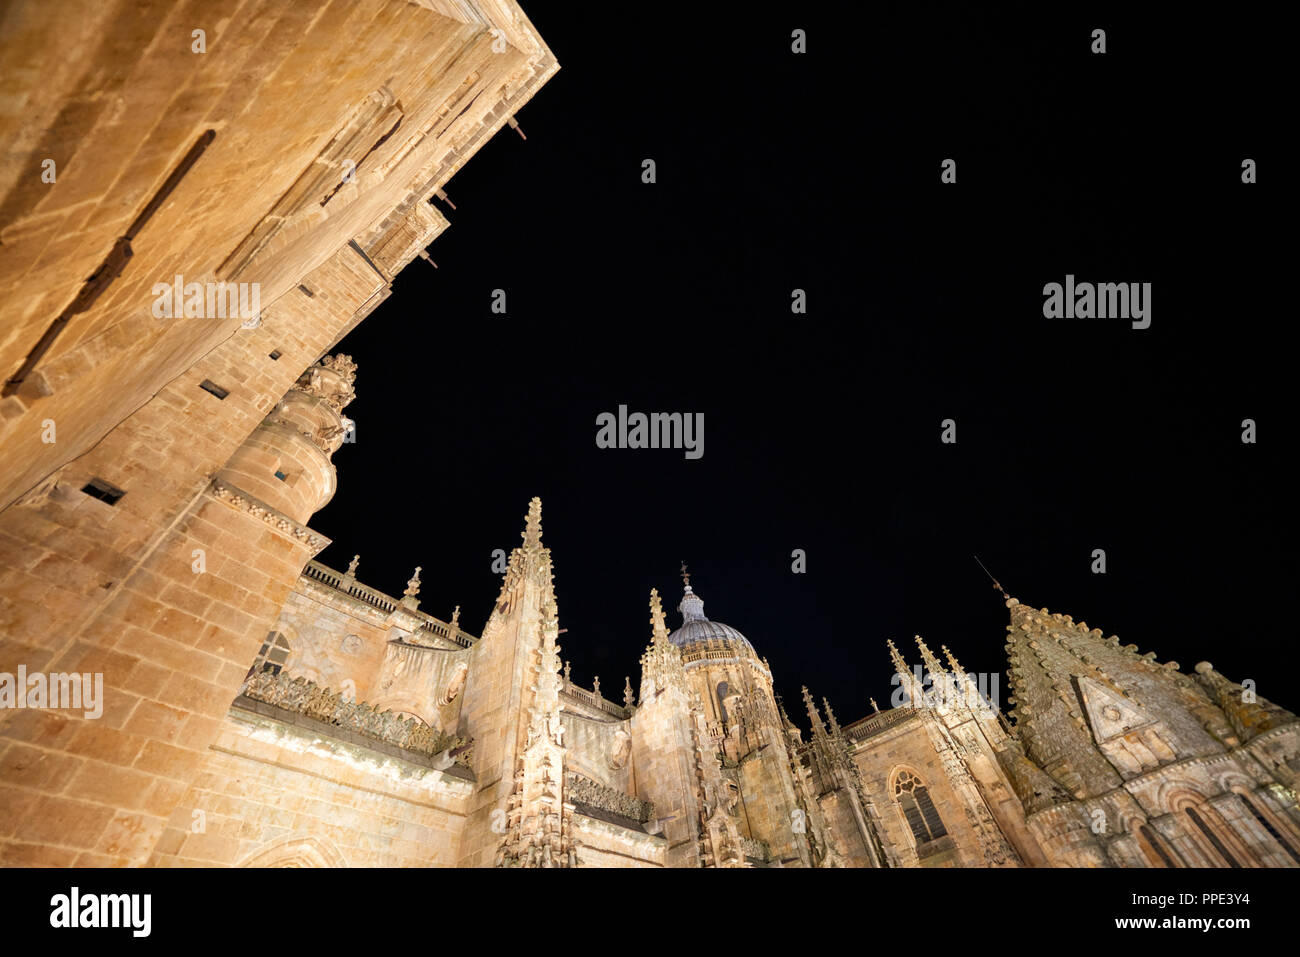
<point x="159" y="464"/>
<point x="262" y="709"/>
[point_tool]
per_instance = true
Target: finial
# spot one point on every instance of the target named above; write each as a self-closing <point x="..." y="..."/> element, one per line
<point x="830" y="717"/>
<point x="628" y="697"/>
<point x="899" y="664"/>
<point x="813" y="716"/>
<point x="957" y="669"/>
<point x="455" y="619"/>
<point x="413" y="585"/>
<point x="659" y="627"/>
<point x="875" y="707"/>
<point x="931" y="662"/>
<point x="567" y="666"/>
<point x="533" y="525"/>
<point x="352" y="566"/>
<point x="595" y="685"/>
<point x="686" y="577"/>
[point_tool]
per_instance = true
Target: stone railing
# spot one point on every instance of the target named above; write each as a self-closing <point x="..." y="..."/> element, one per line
<point x="310" y="699"/>
<point x="876" y="723"/>
<point x="385" y="603"/>
<point x="328" y="576"/>
<point x="440" y="629"/>
<point x="595" y="700"/>
<point x="755" y="848"/>
<point x="583" y="790"/>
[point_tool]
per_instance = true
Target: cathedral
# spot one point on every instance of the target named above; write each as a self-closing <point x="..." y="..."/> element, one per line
<point x="368" y="732"/>
<point x="162" y="461"/>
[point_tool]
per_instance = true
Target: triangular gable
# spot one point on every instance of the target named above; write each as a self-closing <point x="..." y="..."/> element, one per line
<point x="1109" y="713"/>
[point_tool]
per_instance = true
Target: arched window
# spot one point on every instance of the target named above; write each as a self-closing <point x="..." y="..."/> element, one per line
<point x="1212" y="837"/>
<point x="722" y="697"/>
<point x="1265" y="823"/>
<point x="274" y="653"/>
<point x="1156" y="846"/>
<point x="922" y="816"/>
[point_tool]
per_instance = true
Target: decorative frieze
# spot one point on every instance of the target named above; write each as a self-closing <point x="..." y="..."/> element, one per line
<point x="238" y="499"/>
<point x="310" y="699"/>
<point x="583" y="790"/>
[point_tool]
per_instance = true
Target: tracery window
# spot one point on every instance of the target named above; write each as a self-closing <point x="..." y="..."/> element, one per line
<point x="274" y="654"/>
<point x="922" y="816"/>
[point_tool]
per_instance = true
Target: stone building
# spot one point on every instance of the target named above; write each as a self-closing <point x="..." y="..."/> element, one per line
<point x="275" y="164"/>
<point x="371" y="733"/>
<point x="261" y="709"/>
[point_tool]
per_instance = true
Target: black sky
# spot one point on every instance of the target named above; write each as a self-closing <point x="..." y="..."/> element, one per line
<point x="821" y="172"/>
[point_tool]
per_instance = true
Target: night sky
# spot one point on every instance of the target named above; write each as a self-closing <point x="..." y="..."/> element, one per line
<point x="822" y="431"/>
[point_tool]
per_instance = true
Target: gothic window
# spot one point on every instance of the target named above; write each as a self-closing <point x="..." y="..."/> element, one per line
<point x="274" y="653"/>
<point x="922" y="816"/>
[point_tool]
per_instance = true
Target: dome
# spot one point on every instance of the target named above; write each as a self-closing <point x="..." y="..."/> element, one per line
<point x="695" y="627"/>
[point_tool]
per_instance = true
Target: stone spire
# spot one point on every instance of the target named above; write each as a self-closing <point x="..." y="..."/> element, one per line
<point x="830" y="719"/>
<point x="538" y="816"/>
<point x="932" y="665"/>
<point x="818" y="729"/>
<point x="529" y="562"/>
<point x="964" y="684"/>
<point x="914" y="691"/>
<point x="533" y="525"/>
<point x="900" y="664"/>
<point x="661" y="663"/>
<point x="953" y="664"/>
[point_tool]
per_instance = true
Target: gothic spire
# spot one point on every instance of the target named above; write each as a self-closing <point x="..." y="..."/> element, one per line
<point x="830" y="718"/>
<point x="900" y="665"/>
<point x="532" y="534"/>
<point x="659" y="627"/>
<point x="932" y="665"/>
<point x="818" y="728"/>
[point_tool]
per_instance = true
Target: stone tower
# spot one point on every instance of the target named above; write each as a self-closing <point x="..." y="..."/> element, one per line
<point x="738" y="726"/>
<point x="1124" y="761"/>
<point x="175" y="632"/>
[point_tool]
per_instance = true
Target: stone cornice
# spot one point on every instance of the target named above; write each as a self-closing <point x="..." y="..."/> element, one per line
<point x="241" y="501"/>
